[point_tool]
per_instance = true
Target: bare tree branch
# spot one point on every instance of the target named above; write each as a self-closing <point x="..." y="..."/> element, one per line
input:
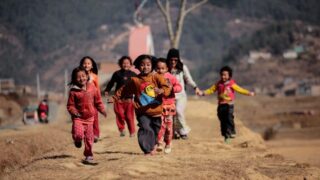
<point x="194" y="6"/>
<point x="136" y="13"/>
<point x="179" y="24"/>
<point x="167" y="16"/>
<point x="175" y="36"/>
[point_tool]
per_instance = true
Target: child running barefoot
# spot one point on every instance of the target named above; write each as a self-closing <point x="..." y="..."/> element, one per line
<point x="148" y="89"/>
<point x="123" y="108"/>
<point x="169" y="108"/>
<point x="226" y="96"/>
<point x="91" y="67"/>
<point x="84" y="99"/>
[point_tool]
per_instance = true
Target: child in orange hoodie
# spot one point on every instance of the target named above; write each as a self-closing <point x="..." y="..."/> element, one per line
<point x="148" y="89"/>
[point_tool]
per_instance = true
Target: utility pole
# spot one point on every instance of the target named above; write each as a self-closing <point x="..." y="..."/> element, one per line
<point x="65" y="83"/>
<point x="38" y="86"/>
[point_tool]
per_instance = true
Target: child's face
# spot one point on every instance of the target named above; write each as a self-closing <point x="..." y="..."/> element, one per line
<point x="126" y="65"/>
<point x="173" y="62"/>
<point x="225" y="76"/>
<point x="145" y="66"/>
<point x="162" y="67"/>
<point x="87" y="64"/>
<point x="82" y="78"/>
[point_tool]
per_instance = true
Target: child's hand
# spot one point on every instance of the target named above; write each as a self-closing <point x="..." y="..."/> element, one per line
<point x="110" y="100"/>
<point x="197" y="91"/>
<point x="106" y="94"/>
<point x="252" y="94"/>
<point x="77" y="115"/>
<point x="200" y="93"/>
<point x="104" y="114"/>
<point x="158" y="90"/>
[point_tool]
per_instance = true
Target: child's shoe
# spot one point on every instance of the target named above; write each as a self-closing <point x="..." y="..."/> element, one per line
<point x="132" y="135"/>
<point x="160" y="147"/>
<point x="96" y="139"/>
<point x="122" y="134"/>
<point x="78" y="144"/>
<point x="232" y="135"/>
<point x="184" y="137"/>
<point x="88" y="160"/>
<point x="227" y="140"/>
<point x="167" y="149"/>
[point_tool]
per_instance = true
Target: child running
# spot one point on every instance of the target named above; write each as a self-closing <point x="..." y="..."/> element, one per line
<point x="91" y="67"/>
<point x="169" y="108"/>
<point x="84" y="99"/>
<point x="148" y="89"/>
<point x="226" y="96"/>
<point x="123" y="108"/>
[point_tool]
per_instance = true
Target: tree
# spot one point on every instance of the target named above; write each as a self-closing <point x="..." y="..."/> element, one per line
<point x="174" y="36"/>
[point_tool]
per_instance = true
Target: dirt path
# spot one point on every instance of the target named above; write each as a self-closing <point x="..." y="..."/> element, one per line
<point x="50" y="154"/>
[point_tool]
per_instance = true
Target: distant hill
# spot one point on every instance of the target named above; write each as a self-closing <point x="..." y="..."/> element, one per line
<point x="47" y="37"/>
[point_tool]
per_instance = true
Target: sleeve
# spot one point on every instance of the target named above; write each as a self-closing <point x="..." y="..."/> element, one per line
<point x="98" y="101"/>
<point x="96" y="82"/>
<point x="71" y="105"/>
<point x="125" y="90"/>
<point x="211" y="90"/>
<point x="240" y="89"/>
<point x="162" y="83"/>
<point x="187" y="77"/>
<point x="111" y="83"/>
<point x="176" y="86"/>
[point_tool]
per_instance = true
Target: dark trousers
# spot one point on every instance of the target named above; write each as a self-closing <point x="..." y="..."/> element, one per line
<point x="225" y="114"/>
<point x="148" y="132"/>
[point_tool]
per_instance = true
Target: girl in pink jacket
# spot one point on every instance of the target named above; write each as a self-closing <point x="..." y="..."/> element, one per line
<point x="84" y="99"/>
<point x="169" y="108"/>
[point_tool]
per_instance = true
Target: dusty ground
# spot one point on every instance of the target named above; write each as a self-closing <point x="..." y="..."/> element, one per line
<point x="295" y="122"/>
<point x="47" y="152"/>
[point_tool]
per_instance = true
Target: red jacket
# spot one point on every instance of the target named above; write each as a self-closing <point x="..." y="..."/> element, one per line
<point x="83" y="103"/>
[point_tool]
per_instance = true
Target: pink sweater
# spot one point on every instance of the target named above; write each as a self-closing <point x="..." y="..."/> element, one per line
<point x="176" y="88"/>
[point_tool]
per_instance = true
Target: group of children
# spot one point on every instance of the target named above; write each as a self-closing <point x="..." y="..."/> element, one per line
<point x="156" y="95"/>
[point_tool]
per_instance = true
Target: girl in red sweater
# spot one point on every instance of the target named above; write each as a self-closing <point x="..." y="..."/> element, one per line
<point x="84" y="99"/>
<point x="91" y="67"/>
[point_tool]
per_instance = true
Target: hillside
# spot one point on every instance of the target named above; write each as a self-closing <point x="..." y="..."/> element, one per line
<point x="48" y="37"/>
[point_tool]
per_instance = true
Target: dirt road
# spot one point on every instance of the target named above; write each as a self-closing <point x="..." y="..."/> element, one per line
<point x="47" y="152"/>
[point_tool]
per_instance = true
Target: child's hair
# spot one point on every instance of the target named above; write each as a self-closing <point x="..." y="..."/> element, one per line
<point x="174" y="53"/>
<point x="139" y="59"/>
<point x="228" y="69"/>
<point x="120" y="61"/>
<point x="74" y="75"/>
<point x="163" y="60"/>
<point x="94" y="64"/>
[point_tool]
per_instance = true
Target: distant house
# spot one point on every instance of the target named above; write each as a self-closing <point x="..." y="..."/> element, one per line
<point x="140" y="41"/>
<point x="257" y="55"/>
<point x="24" y="89"/>
<point x="106" y="69"/>
<point x="290" y="54"/>
<point x="293" y="53"/>
<point x="304" y="88"/>
<point x="7" y="85"/>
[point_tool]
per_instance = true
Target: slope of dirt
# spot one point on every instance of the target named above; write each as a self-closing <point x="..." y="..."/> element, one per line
<point x="295" y="122"/>
<point x="203" y="156"/>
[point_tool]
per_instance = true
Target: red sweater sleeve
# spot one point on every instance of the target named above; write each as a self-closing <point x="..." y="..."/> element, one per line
<point x="71" y="105"/>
